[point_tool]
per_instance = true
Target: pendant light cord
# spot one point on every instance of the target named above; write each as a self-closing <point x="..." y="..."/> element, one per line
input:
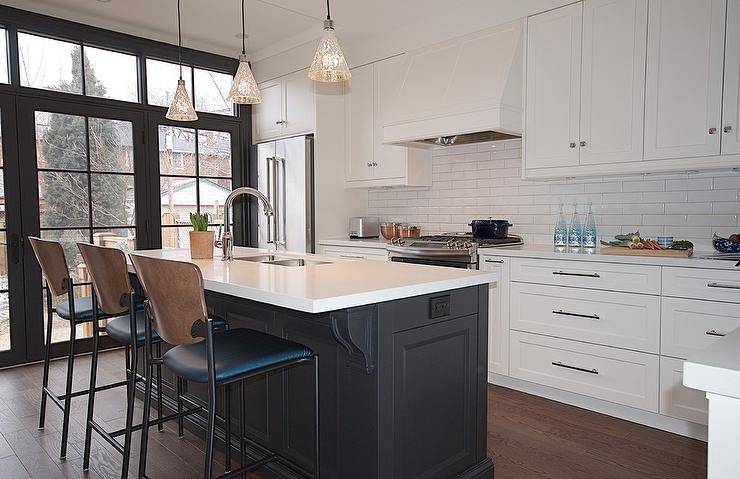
<point x="179" y="39"/>
<point x="328" y="11"/>
<point x="244" y="32"/>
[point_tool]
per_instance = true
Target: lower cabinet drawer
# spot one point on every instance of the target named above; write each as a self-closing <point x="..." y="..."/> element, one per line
<point x="676" y="400"/>
<point x="690" y="325"/>
<point x="623" y="320"/>
<point x="611" y="374"/>
<point x="359" y="253"/>
<point x="709" y="284"/>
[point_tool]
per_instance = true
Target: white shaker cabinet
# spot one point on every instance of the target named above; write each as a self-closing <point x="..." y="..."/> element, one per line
<point x="683" y="93"/>
<point x="359" y="135"/>
<point x="287" y="108"/>
<point x="498" y="314"/>
<point x="553" y="87"/>
<point x="731" y="108"/>
<point x="613" y="81"/>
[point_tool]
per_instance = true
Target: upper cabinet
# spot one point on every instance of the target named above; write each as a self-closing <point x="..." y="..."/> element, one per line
<point x="370" y="162"/>
<point x="731" y="108"/>
<point x="287" y="108"/>
<point x="632" y="86"/>
<point x="683" y="110"/>
<point x="553" y="87"/>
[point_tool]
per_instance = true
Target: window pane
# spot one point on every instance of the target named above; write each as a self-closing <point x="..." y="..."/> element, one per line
<point x="161" y="81"/>
<point x="178" y="199"/>
<point x="211" y="91"/>
<point x="176" y="150"/>
<point x="69" y="240"/>
<point x="63" y="199"/>
<point x="110" y="74"/>
<point x="3" y="261"/>
<point x="4" y="77"/>
<point x="112" y="199"/>
<point x="111" y="145"/>
<point x="49" y="64"/>
<point x="213" y="193"/>
<point x="61" y="141"/>
<point x="214" y="153"/>
<point x="176" y="237"/>
<point x="4" y="322"/>
<point x="2" y="162"/>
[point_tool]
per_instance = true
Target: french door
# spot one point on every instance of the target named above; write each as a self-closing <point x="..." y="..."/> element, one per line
<point x="82" y="180"/>
<point x="13" y="344"/>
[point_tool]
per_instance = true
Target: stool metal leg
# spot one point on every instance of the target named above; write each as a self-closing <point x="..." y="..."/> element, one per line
<point x="317" y="436"/>
<point x="160" y="426"/>
<point x="47" y="358"/>
<point x="242" y="427"/>
<point x="131" y="391"/>
<point x="70" y="368"/>
<point x="210" y="432"/>
<point x="91" y="394"/>
<point x="227" y="427"/>
<point x="180" y="432"/>
<point x="127" y="350"/>
<point x="148" y="370"/>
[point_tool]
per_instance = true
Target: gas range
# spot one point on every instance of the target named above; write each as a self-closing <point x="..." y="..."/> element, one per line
<point x="458" y="250"/>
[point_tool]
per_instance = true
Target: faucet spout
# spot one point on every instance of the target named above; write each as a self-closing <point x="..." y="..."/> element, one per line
<point x="227" y="239"/>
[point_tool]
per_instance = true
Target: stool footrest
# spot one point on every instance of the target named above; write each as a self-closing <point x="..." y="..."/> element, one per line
<point x="249" y="467"/>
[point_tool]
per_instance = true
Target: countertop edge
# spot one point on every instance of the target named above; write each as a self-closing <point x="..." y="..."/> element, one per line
<point x="717" y="368"/>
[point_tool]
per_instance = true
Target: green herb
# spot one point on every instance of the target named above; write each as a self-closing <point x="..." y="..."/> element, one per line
<point x="682" y="245"/>
<point x="200" y="221"/>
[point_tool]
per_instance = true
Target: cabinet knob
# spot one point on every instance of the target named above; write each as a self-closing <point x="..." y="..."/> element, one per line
<point x="369" y="164"/>
<point x="712" y="131"/>
<point x="583" y="143"/>
<point x="572" y="144"/>
<point x="727" y="129"/>
<point x="280" y="122"/>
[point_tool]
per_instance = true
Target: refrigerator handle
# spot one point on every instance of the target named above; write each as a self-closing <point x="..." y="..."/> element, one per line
<point x="280" y="238"/>
<point x="270" y="180"/>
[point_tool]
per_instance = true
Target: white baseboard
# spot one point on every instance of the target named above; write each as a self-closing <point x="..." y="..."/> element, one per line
<point x="658" y="421"/>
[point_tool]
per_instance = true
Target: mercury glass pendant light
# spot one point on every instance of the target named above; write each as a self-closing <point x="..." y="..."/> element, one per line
<point x="181" y="108"/>
<point x="244" y="89"/>
<point x="329" y="64"/>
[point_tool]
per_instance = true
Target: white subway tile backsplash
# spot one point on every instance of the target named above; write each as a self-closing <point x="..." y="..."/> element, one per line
<point x="477" y="181"/>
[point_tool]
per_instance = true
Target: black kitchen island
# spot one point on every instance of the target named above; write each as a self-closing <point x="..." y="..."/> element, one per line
<point x="402" y="382"/>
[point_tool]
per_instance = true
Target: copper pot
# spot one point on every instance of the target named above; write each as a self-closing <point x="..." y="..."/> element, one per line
<point x="409" y="231"/>
<point x="388" y="230"/>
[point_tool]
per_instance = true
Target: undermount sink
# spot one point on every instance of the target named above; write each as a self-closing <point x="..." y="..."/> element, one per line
<point x="281" y="260"/>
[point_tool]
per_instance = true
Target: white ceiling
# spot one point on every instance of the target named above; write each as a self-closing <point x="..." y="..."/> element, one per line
<point x="214" y="25"/>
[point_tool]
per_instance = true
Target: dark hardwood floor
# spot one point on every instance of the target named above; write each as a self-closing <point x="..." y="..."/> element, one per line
<point x="529" y="437"/>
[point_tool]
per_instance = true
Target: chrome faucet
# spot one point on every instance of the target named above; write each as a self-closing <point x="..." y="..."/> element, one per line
<point x="227" y="239"/>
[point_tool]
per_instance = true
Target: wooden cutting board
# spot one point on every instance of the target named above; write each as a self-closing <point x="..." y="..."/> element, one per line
<point x="668" y="253"/>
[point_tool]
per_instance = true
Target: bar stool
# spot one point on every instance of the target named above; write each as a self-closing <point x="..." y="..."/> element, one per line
<point x="50" y="256"/>
<point x="176" y="306"/>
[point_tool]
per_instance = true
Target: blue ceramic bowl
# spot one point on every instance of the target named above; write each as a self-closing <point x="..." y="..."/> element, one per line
<point x="723" y="245"/>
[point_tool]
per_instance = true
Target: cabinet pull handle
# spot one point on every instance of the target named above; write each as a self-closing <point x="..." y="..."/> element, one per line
<point x="499" y="261"/>
<point x="281" y="122"/>
<point x="572" y="144"/>
<point x="351" y="256"/>
<point x="712" y="131"/>
<point x="727" y="129"/>
<point x="714" y="332"/>
<point x="722" y="286"/>
<point x="575" y="368"/>
<point x="583" y="143"/>
<point x="577" y="315"/>
<point x="582" y="275"/>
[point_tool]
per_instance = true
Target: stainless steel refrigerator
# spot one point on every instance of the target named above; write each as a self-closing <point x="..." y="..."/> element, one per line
<point x="285" y="176"/>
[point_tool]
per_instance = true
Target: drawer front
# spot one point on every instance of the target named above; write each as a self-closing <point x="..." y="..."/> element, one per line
<point x="623" y="320"/>
<point x="711" y="284"/>
<point x="587" y="274"/>
<point x="359" y="253"/>
<point x="676" y="400"/>
<point x="611" y="374"/>
<point x="690" y="325"/>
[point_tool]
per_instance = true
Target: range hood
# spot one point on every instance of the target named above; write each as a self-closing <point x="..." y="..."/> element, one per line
<point x="465" y="90"/>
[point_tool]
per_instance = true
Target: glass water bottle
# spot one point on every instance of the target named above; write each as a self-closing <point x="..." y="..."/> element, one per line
<point x="575" y="230"/>
<point x="589" y="230"/>
<point x="560" y="236"/>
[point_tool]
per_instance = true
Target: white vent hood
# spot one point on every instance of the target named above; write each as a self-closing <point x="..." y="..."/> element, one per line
<point x="464" y="90"/>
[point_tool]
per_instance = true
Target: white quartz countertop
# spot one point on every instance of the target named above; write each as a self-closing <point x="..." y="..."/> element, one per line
<point x="550" y="252"/>
<point x="341" y="283"/>
<point x="717" y="368"/>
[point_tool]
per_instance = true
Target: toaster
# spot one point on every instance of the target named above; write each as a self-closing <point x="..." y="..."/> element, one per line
<point x="364" y="227"/>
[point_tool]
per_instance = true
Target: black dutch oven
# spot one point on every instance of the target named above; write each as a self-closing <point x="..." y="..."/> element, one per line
<point x="490" y="229"/>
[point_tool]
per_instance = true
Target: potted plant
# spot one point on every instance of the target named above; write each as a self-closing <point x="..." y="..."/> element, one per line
<point x="201" y="240"/>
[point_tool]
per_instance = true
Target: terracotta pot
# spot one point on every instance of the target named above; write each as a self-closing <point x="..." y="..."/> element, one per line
<point x="201" y="244"/>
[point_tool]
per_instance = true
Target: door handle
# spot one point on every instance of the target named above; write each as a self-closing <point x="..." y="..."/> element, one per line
<point x="582" y="275"/>
<point x="722" y="286"/>
<point x="280" y="235"/>
<point x="576" y="315"/>
<point x="575" y="368"/>
<point x="15" y="248"/>
<point x="714" y="332"/>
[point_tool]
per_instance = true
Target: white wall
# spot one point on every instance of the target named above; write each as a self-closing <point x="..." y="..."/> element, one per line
<point x="478" y="181"/>
<point x="466" y="17"/>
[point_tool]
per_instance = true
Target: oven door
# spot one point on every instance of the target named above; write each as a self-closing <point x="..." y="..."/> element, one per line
<point x="451" y="263"/>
